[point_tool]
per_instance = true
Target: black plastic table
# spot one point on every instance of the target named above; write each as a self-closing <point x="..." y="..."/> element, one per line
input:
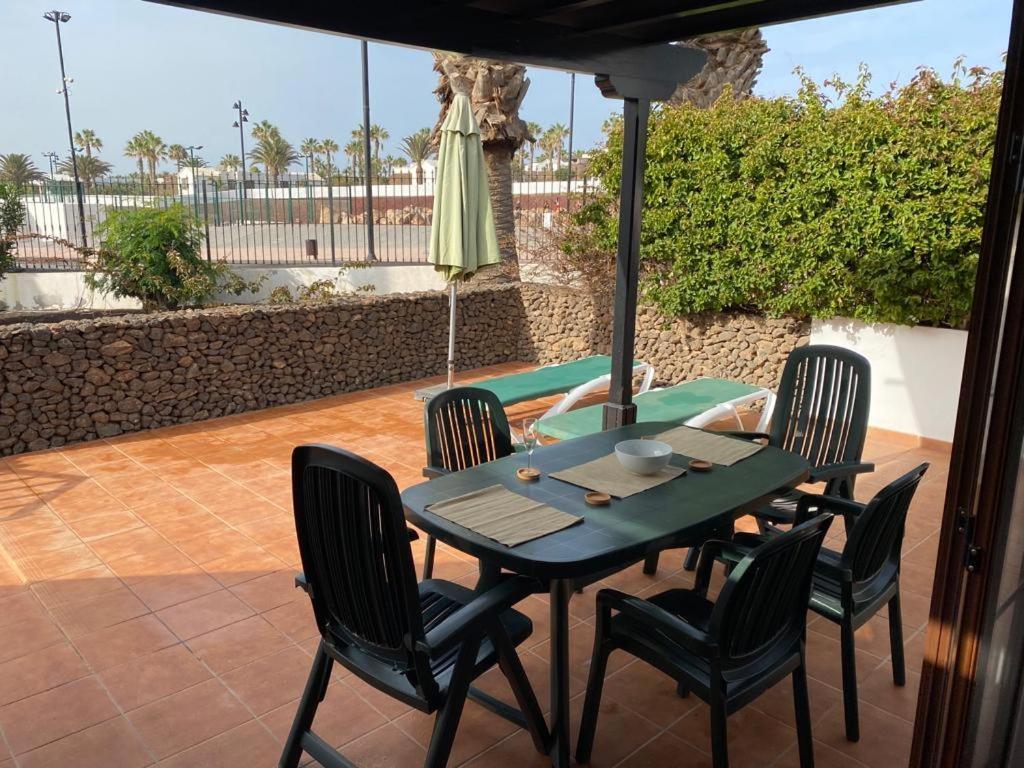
<point x="678" y="513"/>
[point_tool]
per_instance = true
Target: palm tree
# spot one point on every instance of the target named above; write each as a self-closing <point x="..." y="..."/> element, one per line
<point x="146" y="145"/>
<point x="734" y="59"/>
<point x="496" y="102"/>
<point x="309" y="148"/>
<point x="535" y="130"/>
<point x="387" y="165"/>
<point x="354" y="151"/>
<point x="87" y="140"/>
<point x="418" y="148"/>
<point x="178" y="154"/>
<point x="89" y="169"/>
<point x="18" y="170"/>
<point x="264" y="130"/>
<point x="553" y="142"/>
<point x="134" y="148"/>
<point x="229" y="163"/>
<point x="329" y="147"/>
<point x="275" y="153"/>
<point x="378" y="135"/>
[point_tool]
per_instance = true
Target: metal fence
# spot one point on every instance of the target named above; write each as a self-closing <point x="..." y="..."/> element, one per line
<point x="297" y="221"/>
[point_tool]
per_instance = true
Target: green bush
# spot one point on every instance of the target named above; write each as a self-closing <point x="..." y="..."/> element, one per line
<point x="12" y="215"/>
<point x="155" y="255"/>
<point x="830" y="203"/>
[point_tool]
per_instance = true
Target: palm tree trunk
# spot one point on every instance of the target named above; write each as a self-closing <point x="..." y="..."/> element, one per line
<point x="498" y="157"/>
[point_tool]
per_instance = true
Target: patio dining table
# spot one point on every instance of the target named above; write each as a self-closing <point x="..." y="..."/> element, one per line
<point x="678" y="513"/>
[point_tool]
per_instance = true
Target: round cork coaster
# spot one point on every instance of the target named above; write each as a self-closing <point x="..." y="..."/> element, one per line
<point x="528" y="474"/>
<point x="699" y="465"/>
<point x="597" y="499"/>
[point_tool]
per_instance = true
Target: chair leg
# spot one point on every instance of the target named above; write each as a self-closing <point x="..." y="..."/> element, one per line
<point x="428" y="557"/>
<point x="682" y="691"/>
<point x="802" y="705"/>
<point x="719" y="733"/>
<point x="447" y="722"/>
<point x="850" y="681"/>
<point x="651" y="564"/>
<point x="692" y="556"/>
<point x="512" y="668"/>
<point x="592" y="702"/>
<point x="899" y="672"/>
<point x="316" y="689"/>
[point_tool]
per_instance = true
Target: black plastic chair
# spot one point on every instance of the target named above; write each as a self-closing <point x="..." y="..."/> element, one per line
<point x="729" y="651"/>
<point x="422" y="644"/>
<point x="464" y="427"/>
<point x="853" y="585"/>
<point x="821" y="413"/>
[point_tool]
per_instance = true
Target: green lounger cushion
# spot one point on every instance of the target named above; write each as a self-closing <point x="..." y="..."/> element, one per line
<point x="679" y="404"/>
<point x="541" y="382"/>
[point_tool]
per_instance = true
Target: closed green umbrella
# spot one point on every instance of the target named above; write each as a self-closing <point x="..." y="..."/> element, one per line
<point x="462" y="235"/>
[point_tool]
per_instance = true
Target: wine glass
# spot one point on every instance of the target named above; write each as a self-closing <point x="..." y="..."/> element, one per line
<point x="530" y="439"/>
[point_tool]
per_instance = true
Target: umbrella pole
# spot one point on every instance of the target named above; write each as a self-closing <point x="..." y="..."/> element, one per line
<point x="453" y="290"/>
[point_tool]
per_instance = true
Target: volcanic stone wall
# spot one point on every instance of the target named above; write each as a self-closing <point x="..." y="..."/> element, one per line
<point x="80" y="380"/>
<point x="564" y="324"/>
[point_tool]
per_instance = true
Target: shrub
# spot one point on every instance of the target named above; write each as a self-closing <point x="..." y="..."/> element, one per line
<point x="830" y="203"/>
<point x="12" y="215"/>
<point x="154" y="255"/>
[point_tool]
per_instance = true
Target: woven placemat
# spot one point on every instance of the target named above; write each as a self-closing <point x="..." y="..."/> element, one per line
<point x="607" y="475"/>
<point x="698" y="444"/>
<point x="504" y="516"/>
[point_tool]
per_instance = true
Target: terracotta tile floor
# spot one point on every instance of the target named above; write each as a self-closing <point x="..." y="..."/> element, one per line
<point x="147" y="614"/>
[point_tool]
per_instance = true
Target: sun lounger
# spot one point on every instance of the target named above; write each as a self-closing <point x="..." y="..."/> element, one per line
<point x="574" y="380"/>
<point x="695" y="403"/>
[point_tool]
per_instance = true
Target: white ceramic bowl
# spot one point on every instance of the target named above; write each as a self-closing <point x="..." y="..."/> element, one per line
<point x="643" y="457"/>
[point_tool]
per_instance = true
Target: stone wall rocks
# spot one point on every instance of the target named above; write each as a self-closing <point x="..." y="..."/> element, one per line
<point x="85" y="379"/>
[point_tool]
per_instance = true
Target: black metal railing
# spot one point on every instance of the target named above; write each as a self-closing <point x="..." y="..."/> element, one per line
<point x="294" y="220"/>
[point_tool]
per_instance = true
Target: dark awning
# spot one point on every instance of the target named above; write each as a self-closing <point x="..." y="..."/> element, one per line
<point x="620" y="37"/>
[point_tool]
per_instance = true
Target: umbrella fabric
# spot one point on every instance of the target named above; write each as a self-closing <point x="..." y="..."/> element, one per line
<point x="462" y="237"/>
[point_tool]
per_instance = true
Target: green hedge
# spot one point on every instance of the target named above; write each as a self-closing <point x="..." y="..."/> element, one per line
<point x="830" y="203"/>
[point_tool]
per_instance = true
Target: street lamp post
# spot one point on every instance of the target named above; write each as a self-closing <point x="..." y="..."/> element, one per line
<point x="367" y="159"/>
<point x="192" y="161"/>
<point x="572" y="114"/>
<point x="52" y="159"/>
<point x="243" y="117"/>
<point x="59" y="17"/>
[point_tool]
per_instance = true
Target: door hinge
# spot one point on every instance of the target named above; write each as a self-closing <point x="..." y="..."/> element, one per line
<point x="972" y="553"/>
<point x="1014" y="161"/>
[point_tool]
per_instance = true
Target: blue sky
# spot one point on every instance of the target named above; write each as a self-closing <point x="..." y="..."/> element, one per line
<point x="137" y="65"/>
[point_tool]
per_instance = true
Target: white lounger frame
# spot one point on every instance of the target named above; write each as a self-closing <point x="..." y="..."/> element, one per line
<point x="573" y="396"/>
<point x="722" y="410"/>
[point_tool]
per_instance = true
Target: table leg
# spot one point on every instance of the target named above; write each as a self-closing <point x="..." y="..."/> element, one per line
<point x="561" y="592"/>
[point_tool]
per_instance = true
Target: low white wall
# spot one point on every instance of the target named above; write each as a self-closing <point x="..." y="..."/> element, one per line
<point x="67" y="290"/>
<point x="384" y="278"/>
<point x="55" y="291"/>
<point x="915" y="372"/>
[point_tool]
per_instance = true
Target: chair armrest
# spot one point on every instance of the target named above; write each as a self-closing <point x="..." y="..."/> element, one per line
<point x="676" y="629"/>
<point x="838" y="470"/>
<point x="431" y="472"/>
<point x="712" y="550"/>
<point x="483" y="609"/>
<point x="850" y="510"/>
<point x="744" y="435"/>
<point x="301" y="583"/>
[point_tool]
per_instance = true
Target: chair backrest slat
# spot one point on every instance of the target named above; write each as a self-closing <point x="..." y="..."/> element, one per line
<point x="876" y="539"/>
<point x="466" y="426"/>
<point x="823" y="402"/>
<point x="355" y="554"/>
<point x="761" y="610"/>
